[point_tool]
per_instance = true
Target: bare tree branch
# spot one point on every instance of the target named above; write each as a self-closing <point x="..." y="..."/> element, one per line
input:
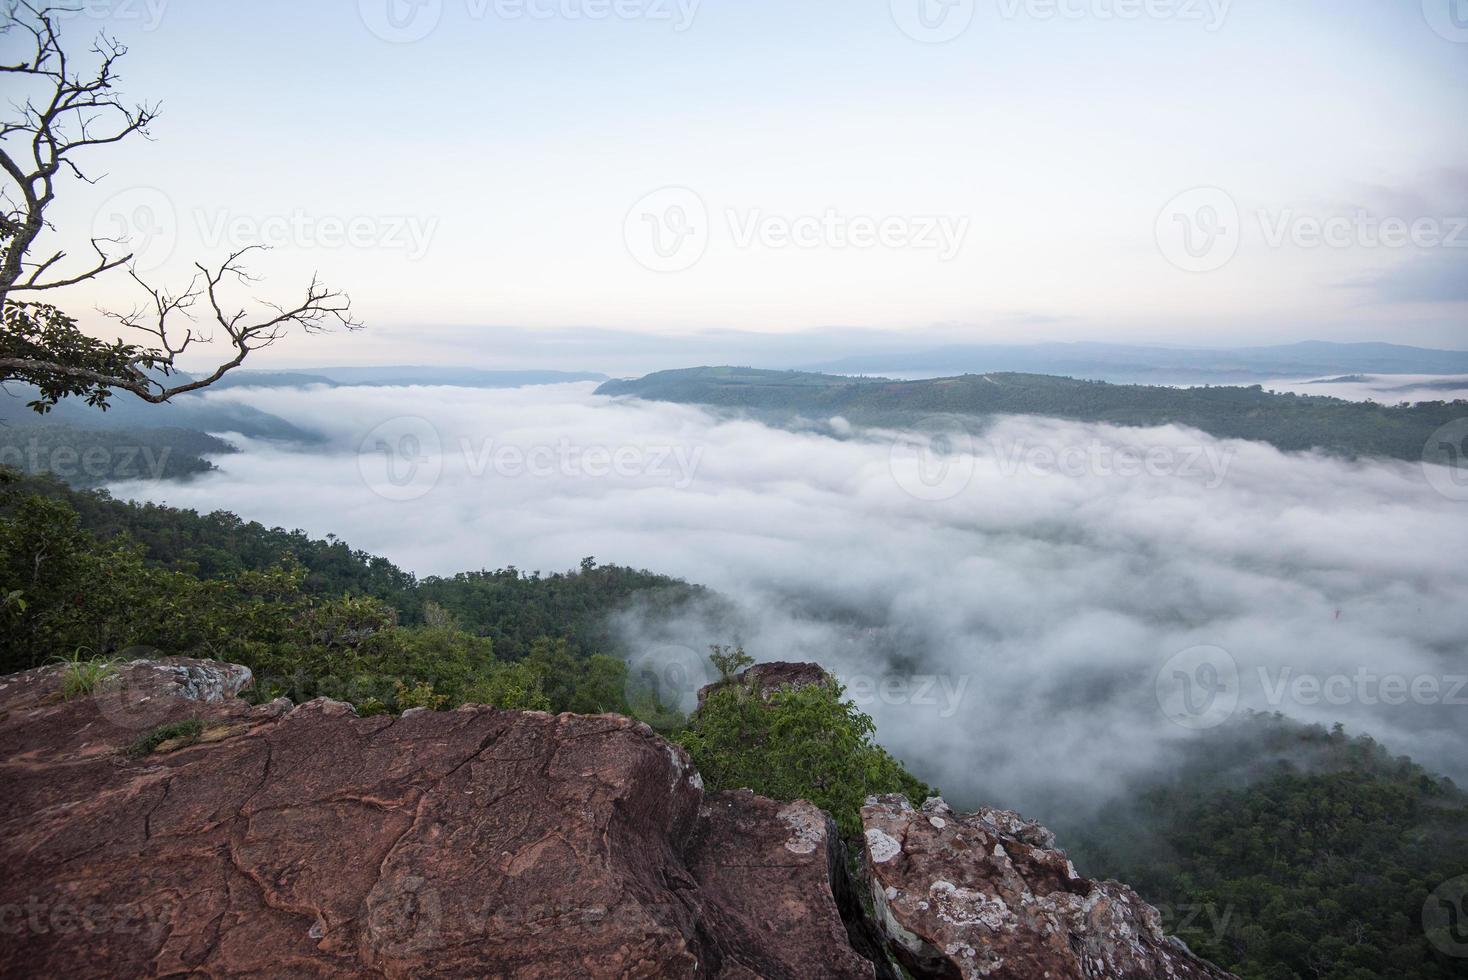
<point x="73" y="112"/>
<point x="64" y="113"/>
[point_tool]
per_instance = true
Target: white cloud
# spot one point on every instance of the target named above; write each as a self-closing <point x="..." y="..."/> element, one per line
<point x="1057" y="597"/>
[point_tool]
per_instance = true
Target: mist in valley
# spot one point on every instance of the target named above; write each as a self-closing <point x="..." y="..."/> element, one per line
<point x="1022" y="607"/>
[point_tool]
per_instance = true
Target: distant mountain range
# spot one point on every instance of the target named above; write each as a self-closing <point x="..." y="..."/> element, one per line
<point x="192" y="411"/>
<point x="198" y="413"/>
<point x="1158" y="365"/>
<point x="380" y="377"/>
<point x="1287" y="421"/>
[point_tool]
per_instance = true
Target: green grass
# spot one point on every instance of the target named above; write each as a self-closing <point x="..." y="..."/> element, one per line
<point x="83" y="675"/>
<point x="145" y="743"/>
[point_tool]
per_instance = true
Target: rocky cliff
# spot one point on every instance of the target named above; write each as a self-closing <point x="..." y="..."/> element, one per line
<point x="989" y="894"/>
<point x="161" y="826"/>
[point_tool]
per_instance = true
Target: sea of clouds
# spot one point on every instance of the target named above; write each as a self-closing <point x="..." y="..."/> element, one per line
<point x="1034" y="612"/>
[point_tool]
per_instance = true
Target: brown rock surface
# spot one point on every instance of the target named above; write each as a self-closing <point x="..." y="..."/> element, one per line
<point x="988" y="895"/>
<point x="310" y="842"/>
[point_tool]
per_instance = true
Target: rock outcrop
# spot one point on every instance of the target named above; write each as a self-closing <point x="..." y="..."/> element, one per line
<point x="988" y="895"/>
<point x="160" y="826"/>
<point x="772" y="677"/>
<point x="306" y="841"/>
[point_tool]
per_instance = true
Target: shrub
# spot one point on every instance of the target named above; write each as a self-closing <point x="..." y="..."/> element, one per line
<point x="808" y="743"/>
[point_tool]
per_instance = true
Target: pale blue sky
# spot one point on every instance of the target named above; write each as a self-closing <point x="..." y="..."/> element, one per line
<point x="493" y="169"/>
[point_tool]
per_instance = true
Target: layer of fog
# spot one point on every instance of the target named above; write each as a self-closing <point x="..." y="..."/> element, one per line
<point x="1387" y="389"/>
<point x="1029" y="587"/>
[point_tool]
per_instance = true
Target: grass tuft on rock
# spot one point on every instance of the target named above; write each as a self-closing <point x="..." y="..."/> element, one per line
<point x="185" y="732"/>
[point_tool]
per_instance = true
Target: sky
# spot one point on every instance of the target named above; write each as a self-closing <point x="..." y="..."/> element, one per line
<point x="1189" y="172"/>
<point x="1027" y="592"/>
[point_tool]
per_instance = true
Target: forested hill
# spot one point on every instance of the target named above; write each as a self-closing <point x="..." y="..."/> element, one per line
<point x="1284" y="851"/>
<point x="169" y="548"/>
<point x="1287" y="421"/>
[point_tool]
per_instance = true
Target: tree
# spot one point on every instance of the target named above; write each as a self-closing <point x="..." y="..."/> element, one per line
<point x="809" y="743"/>
<point x="61" y="115"/>
<point x="729" y="661"/>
